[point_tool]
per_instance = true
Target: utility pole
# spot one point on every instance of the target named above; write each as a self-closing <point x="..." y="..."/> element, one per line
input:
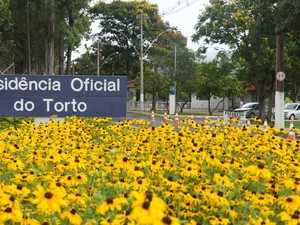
<point x="98" y="69"/>
<point x="279" y="85"/>
<point x="175" y="71"/>
<point x="142" y="66"/>
<point x="141" y="54"/>
<point x="172" y="93"/>
<point x="28" y="39"/>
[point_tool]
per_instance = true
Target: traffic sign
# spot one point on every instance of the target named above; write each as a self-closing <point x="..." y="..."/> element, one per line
<point x="280" y="76"/>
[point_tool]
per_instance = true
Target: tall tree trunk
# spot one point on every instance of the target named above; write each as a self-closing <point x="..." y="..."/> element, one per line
<point x="69" y="57"/>
<point x="51" y="43"/>
<point x="46" y="69"/>
<point x="295" y="92"/>
<point x="61" y="58"/>
<point x="209" y="109"/>
<point x="70" y="45"/>
<point x="28" y="39"/>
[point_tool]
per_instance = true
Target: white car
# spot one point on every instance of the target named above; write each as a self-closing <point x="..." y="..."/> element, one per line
<point x="292" y="111"/>
<point x="251" y="109"/>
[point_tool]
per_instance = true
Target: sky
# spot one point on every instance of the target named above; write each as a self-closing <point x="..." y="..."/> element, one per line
<point x="183" y="14"/>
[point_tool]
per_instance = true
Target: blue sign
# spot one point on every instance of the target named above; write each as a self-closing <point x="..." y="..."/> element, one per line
<point x="172" y="90"/>
<point x="44" y="96"/>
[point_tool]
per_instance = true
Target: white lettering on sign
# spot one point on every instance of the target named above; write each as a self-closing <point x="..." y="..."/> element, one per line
<point x="31" y="85"/>
<point x="88" y="84"/>
<point x="22" y="105"/>
<point x="73" y="105"/>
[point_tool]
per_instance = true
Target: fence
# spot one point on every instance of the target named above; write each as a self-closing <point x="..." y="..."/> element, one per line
<point x="136" y="105"/>
<point x="240" y="115"/>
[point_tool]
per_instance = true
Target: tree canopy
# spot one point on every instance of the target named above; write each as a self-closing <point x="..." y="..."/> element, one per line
<point x="249" y="30"/>
<point x="39" y="36"/>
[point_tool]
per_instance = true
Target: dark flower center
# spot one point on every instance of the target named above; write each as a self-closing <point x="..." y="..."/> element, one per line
<point x="109" y="200"/>
<point x="12" y="198"/>
<point x="167" y="220"/>
<point x="8" y="210"/>
<point x="261" y="166"/>
<point x="48" y="195"/>
<point x="146" y="205"/>
<point x="220" y="193"/>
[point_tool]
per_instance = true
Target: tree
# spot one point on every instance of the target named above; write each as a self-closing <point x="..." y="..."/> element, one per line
<point x="248" y="28"/>
<point x="120" y="24"/>
<point x="287" y="16"/>
<point x="176" y="63"/>
<point x="215" y="79"/>
<point x="41" y="31"/>
<point x="6" y="24"/>
<point x="185" y="75"/>
<point x="288" y="25"/>
<point x="73" y="26"/>
<point x="292" y="66"/>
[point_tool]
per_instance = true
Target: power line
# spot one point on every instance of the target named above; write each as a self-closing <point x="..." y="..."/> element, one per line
<point x="183" y="4"/>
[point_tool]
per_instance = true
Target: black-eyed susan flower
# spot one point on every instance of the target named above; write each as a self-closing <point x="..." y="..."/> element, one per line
<point x="10" y="214"/>
<point x="28" y="220"/>
<point x="290" y="218"/>
<point x="73" y="217"/>
<point x="290" y="203"/>
<point x="261" y="221"/>
<point x="259" y="171"/>
<point x="111" y="204"/>
<point x="49" y="201"/>
<point x="124" y="218"/>
<point x="148" y="208"/>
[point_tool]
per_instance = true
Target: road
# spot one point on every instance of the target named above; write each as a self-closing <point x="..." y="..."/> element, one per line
<point x="159" y="118"/>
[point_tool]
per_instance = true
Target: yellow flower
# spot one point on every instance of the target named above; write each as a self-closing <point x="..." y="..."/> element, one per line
<point x="49" y="201"/>
<point x="72" y="216"/>
<point x="111" y="204"/>
<point x="124" y="218"/>
<point x="292" y="218"/>
<point x="259" y="171"/>
<point x="290" y="203"/>
<point x="149" y="209"/>
<point x="223" y="180"/>
<point x="9" y="213"/>
<point x="26" y="220"/>
<point x="262" y="221"/>
<point x="218" y="221"/>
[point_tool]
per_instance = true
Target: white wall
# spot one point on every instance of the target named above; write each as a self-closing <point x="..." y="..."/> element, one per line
<point x="203" y="104"/>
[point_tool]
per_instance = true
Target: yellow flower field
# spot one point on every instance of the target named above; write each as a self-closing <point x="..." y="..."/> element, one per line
<point x="91" y="171"/>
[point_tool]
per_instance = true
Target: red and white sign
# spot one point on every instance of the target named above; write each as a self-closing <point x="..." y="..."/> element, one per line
<point x="280" y="76"/>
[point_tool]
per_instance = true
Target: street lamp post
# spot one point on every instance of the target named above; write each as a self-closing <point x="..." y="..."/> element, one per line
<point x="141" y="54"/>
<point x="142" y="66"/>
<point x="105" y="61"/>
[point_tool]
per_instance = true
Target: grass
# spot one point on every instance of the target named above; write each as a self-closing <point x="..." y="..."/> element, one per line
<point x="296" y="124"/>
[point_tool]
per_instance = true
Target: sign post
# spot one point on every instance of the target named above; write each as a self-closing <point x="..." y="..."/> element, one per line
<point x="279" y="85"/>
<point x="172" y="100"/>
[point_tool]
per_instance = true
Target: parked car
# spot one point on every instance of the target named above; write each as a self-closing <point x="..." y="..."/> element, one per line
<point x="251" y="109"/>
<point x="292" y="111"/>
